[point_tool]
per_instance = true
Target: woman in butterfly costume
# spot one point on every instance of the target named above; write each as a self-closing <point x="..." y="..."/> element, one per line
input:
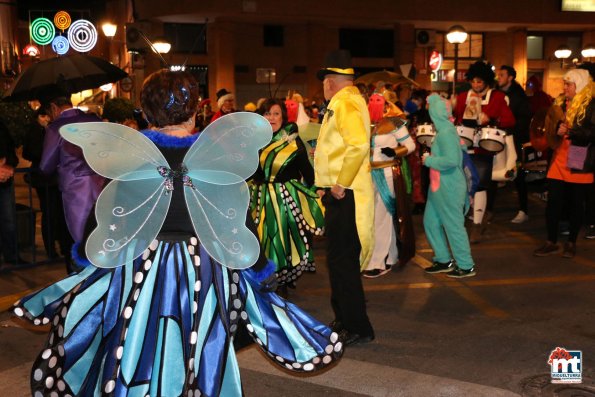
<point x="176" y="270"/>
<point x="284" y="205"/>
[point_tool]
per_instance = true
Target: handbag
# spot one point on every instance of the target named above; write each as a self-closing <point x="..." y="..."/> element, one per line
<point x="577" y="156"/>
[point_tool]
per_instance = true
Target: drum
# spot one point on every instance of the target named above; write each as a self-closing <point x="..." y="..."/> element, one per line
<point x="492" y="139"/>
<point x="467" y="134"/>
<point x="425" y="133"/>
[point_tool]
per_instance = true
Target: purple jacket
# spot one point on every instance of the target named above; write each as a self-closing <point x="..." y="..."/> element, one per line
<point x="79" y="184"/>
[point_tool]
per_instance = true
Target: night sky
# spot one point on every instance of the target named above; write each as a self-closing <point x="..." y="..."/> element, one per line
<point x="87" y="9"/>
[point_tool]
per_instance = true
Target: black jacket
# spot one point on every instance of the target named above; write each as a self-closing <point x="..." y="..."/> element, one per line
<point x="519" y="105"/>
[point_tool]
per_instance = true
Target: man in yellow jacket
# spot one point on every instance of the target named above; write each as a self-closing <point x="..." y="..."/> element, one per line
<point x="342" y="168"/>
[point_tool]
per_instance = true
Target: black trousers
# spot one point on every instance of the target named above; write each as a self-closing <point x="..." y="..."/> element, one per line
<point x="53" y="223"/>
<point x="565" y="196"/>
<point x="342" y="255"/>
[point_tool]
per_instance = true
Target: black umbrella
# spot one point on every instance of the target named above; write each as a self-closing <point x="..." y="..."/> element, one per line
<point x="68" y="74"/>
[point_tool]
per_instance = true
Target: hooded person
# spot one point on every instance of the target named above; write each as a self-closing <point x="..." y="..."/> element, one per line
<point x="444" y="216"/>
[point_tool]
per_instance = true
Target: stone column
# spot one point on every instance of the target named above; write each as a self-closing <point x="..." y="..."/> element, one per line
<point x="220" y="44"/>
<point x="404" y="45"/>
<point x="518" y="38"/>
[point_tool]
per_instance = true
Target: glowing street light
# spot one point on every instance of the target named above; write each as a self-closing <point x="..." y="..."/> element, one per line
<point x="563" y="52"/>
<point x="109" y="29"/>
<point x="162" y="46"/>
<point x="588" y="51"/>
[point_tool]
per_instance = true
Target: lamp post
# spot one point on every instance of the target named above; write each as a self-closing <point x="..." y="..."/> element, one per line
<point x="562" y="53"/>
<point x="456" y="35"/>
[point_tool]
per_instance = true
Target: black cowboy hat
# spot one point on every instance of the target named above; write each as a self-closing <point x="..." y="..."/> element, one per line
<point x="336" y="62"/>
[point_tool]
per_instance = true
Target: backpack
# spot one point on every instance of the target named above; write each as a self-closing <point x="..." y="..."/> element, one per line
<point x="470" y="173"/>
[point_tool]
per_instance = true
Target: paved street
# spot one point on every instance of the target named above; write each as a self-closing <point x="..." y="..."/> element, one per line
<point x="489" y="335"/>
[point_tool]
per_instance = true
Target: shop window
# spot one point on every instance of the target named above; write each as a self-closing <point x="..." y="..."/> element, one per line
<point x="534" y="47"/>
<point x="273" y="35"/>
<point x="367" y="43"/>
<point x="472" y="48"/>
<point x="190" y="38"/>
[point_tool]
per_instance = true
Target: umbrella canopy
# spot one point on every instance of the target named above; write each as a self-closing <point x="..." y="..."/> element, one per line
<point x="386" y="76"/>
<point x="68" y="74"/>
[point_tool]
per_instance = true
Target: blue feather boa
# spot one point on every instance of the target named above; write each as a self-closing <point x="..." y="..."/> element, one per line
<point x="169" y="141"/>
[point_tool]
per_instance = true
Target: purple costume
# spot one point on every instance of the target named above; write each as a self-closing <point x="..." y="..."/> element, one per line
<point x="79" y="184"/>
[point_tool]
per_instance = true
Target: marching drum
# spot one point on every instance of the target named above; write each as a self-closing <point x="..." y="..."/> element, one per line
<point x="425" y="133"/>
<point x="467" y="134"/>
<point x="492" y="139"/>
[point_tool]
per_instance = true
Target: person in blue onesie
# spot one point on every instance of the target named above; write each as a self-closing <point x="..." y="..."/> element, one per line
<point x="448" y="200"/>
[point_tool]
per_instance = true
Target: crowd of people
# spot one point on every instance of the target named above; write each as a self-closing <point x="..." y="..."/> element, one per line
<point x="383" y="153"/>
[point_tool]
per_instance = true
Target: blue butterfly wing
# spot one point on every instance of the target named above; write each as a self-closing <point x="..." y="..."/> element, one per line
<point x="225" y="154"/>
<point x="115" y="151"/>
<point x="129" y="217"/>
<point x="218" y="214"/>
<point x="227" y="150"/>
<point x="131" y="209"/>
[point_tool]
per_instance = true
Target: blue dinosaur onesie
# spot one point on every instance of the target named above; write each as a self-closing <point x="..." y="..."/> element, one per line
<point x="444" y="215"/>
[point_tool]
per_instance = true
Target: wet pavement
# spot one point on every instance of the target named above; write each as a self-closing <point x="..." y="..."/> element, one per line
<point x="488" y="335"/>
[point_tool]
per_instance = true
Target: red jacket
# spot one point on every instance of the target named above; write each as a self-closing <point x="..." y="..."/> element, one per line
<point x="496" y="109"/>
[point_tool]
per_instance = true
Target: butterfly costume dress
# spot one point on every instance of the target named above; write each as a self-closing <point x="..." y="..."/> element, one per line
<point x="286" y="210"/>
<point x="175" y="272"/>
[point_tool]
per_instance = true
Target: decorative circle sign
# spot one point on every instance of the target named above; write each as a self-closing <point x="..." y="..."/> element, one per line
<point x="42" y="31"/>
<point x="82" y="35"/>
<point x="60" y="45"/>
<point x="62" y="20"/>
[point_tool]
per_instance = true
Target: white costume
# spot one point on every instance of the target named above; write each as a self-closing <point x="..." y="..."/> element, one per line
<point x="385" y="247"/>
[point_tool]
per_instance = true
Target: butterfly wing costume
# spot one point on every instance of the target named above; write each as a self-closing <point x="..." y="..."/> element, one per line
<point x="157" y="313"/>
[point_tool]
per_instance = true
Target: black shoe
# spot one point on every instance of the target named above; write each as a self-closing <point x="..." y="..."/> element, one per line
<point x="461" y="273"/>
<point x="349" y="338"/>
<point x="438" y="267"/>
<point x="336" y="326"/>
<point x="376" y="272"/>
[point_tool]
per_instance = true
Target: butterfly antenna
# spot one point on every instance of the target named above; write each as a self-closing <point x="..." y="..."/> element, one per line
<point x="200" y="35"/>
<point x="279" y="85"/>
<point x="153" y="47"/>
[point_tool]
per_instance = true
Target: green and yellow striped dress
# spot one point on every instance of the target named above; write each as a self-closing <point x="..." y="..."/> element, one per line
<point x="286" y="211"/>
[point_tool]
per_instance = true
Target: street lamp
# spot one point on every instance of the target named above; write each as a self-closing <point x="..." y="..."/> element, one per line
<point x="456" y="35"/>
<point x="161" y="45"/>
<point x="562" y="53"/>
<point x="588" y="51"/>
<point x="109" y="29"/>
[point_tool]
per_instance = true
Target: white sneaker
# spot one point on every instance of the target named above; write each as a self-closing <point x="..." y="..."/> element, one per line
<point x="521" y="217"/>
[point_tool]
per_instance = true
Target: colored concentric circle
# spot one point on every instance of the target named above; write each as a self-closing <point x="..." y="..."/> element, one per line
<point x="60" y="45"/>
<point x="62" y="20"/>
<point x="42" y="31"/>
<point x="82" y="35"/>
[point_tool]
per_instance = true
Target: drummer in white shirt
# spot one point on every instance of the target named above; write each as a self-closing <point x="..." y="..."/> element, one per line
<point x="482" y="106"/>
